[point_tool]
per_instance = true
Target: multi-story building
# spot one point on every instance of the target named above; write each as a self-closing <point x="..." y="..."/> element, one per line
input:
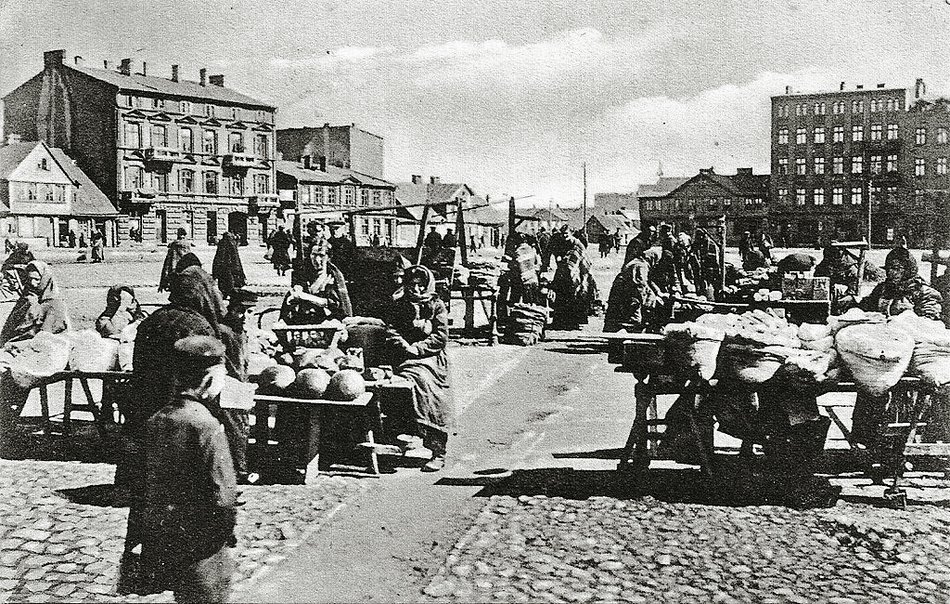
<point x="169" y="152"/>
<point x="927" y="176"/>
<point x="318" y="191"/>
<point x="346" y="147"/>
<point x="44" y="197"/>
<point x="699" y="202"/>
<point x="839" y="156"/>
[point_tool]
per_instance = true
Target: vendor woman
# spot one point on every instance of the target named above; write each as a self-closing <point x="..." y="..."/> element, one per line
<point x="418" y="332"/>
<point x="319" y="292"/>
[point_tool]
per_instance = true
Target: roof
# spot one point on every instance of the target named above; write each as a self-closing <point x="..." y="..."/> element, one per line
<point x="12" y="155"/>
<point x="301" y="174"/>
<point x="409" y="193"/>
<point x="89" y="200"/>
<point x="365" y="179"/>
<point x="611" y="222"/>
<point x="156" y="85"/>
<point x="551" y="215"/>
<point x="481" y="212"/>
<point x="662" y="187"/>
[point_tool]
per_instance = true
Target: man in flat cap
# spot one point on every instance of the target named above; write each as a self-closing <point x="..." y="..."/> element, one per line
<point x="190" y="486"/>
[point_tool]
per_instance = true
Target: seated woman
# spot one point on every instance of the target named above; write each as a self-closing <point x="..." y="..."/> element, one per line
<point x="122" y="309"/>
<point x="418" y="332"/>
<point x="319" y="292"/>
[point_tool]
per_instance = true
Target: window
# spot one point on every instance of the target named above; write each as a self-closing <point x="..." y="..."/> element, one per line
<point x="781" y="110"/>
<point x="920" y="166"/>
<point x="920" y="136"/>
<point x="59" y="193"/>
<point x="48" y="195"/>
<point x="209" y="142"/>
<point x="941" y="136"/>
<point x="261" y="184"/>
<point x="132" y="135"/>
<point x="801" y="109"/>
<point x="331" y="196"/>
<point x="877" y="132"/>
<point x="364" y="197"/>
<point x="44" y="164"/>
<point x="857" y="164"/>
<point x="857" y="106"/>
<point x="318" y="195"/>
<point x="877" y="164"/>
<point x="783" y="166"/>
<point x="837" y="134"/>
<point x="837" y="165"/>
<point x="185" y="140"/>
<point x="800" y="136"/>
<point x="349" y="195"/>
<point x="857" y="133"/>
<point x="892" y="105"/>
<point x="819" y="109"/>
<point x="892" y="193"/>
<point x="234" y="113"/>
<point x="160" y="181"/>
<point x="377" y="227"/>
<point x="236" y="142"/>
<point x="185" y="107"/>
<point x="159" y="136"/>
<point x="783" y="195"/>
<point x="892" y="132"/>
<point x="364" y="227"/>
<point x="919" y="196"/>
<point x="186" y="181"/>
<point x="31" y="191"/>
<point x="856" y="195"/>
<point x="819" y="165"/>
<point x="820" y="134"/>
<point x="125" y="100"/>
<point x="800" y="197"/>
<point x="261" y="116"/>
<point x="941" y="165"/>
<point x="892" y="162"/>
<point x="783" y="136"/>
<point x="133" y="178"/>
<point x="261" y="146"/>
<point x="209" y="110"/>
<point x="157" y="103"/>
<point x="211" y="183"/>
<point x="377" y="197"/>
<point x="837" y="107"/>
<point x="874" y="105"/>
<point x="874" y="193"/>
<point x="236" y="185"/>
<point x="819" y="197"/>
<point x="800" y="165"/>
<point x="837" y="196"/>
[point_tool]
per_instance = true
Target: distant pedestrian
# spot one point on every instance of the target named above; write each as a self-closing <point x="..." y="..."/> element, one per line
<point x="98" y="246"/>
<point x="450" y="241"/>
<point x="375" y="242"/>
<point x="71" y="238"/>
<point x="472" y="245"/>
<point x="280" y="243"/>
<point x="433" y="240"/>
<point x="226" y="267"/>
<point x="176" y="249"/>
<point x="604" y="245"/>
<point x="82" y="239"/>
<point x="766" y="245"/>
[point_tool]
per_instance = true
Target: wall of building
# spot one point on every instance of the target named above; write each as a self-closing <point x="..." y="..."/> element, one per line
<point x="343" y="146"/>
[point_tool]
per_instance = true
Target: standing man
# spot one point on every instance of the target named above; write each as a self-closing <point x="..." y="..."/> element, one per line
<point x="433" y="240"/>
<point x="544" y="240"/>
<point x="176" y="249"/>
<point x="450" y="241"/>
<point x="190" y="494"/>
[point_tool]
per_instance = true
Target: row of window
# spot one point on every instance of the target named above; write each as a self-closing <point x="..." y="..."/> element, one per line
<point x="43" y="192"/>
<point x="841" y="107"/>
<point x="158" y="137"/>
<point x="713" y="203"/>
<point x="857" y="134"/>
<point x="878" y="164"/>
<point x="318" y="195"/>
<point x="190" y="108"/>
<point x="837" y="197"/>
<point x="137" y="178"/>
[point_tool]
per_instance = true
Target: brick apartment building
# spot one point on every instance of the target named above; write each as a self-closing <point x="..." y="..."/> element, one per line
<point x="345" y="147"/>
<point x="169" y="152"/>
<point x="834" y="153"/>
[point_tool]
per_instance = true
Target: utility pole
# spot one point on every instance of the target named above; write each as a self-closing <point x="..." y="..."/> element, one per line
<point x="584" y="166"/>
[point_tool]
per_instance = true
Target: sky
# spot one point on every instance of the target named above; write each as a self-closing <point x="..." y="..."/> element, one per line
<point x="513" y="97"/>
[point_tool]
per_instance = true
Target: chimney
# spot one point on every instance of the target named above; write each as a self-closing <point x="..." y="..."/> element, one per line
<point x="323" y="163"/>
<point x="203" y="76"/>
<point x="78" y="60"/>
<point x="307" y="161"/>
<point x="788" y="90"/>
<point x="125" y="67"/>
<point x="144" y="66"/>
<point x="53" y="58"/>
<point x="174" y="73"/>
<point x="859" y="87"/>
<point x="920" y="88"/>
<point x="434" y="180"/>
<point x="107" y="65"/>
<point x="216" y="80"/>
<point x="417" y="179"/>
<point x="13" y="138"/>
<point x="841" y="87"/>
<point x="880" y="85"/>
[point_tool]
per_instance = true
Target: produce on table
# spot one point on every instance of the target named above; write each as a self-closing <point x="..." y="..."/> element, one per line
<point x="693" y="348"/>
<point x="346" y="385"/>
<point x="91" y="352"/>
<point x="305" y="358"/>
<point x="258" y="362"/>
<point x="876" y="355"/>
<point x="274" y="380"/>
<point x="931" y="358"/>
<point x="311" y="383"/>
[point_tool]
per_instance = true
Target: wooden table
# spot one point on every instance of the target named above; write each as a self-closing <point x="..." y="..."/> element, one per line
<point x="109" y="379"/>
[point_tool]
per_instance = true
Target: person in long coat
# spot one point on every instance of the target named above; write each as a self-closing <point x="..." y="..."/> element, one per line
<point x="575" y="290"/>
<point x="632" y="295"/>
<point x="98" y="241"/>
<point x="280" y="243"/>
<point x="226" y="267"/>
<point x="417" y="330"/>
<point x="176" y="249"/>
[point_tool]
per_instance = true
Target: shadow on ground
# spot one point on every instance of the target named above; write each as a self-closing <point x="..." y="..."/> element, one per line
<point x="84" y="444"/>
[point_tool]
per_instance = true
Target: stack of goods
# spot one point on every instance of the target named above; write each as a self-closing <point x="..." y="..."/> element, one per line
<point x="692" y="348"/>
<point x="756" y="344"/>
<point x="931" y="358"/>
<point x="90" y="352"/>
<point x="483" y="273"/>
<point x="36" y="358"/>
<point x="526" y="323"/>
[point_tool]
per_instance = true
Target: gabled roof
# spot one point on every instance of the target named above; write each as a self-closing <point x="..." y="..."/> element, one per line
<point x="662" y="187"/>
<point x="12" y="155"/>
<point x="551" y="215"/>
<point x="611" y="222"/>
<point x="156" y="85"/>
<point x="435" y="194"/>
<point x="364" y="179"/>
<point x="308" y="175"/>
<point x="89" y="200"/>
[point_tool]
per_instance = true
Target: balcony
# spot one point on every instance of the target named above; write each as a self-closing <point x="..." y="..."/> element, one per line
<point x="162" y="154"/>
<point x="137" y="200"/>
<point x="263" y="202"/>
<point x="240" y="160"/>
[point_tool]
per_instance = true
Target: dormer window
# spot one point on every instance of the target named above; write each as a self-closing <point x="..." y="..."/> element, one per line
<point x="44" y="164"/>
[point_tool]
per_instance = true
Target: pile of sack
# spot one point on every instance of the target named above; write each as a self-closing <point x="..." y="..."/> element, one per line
<point x="483" y="273"/>
<point x="526" y="324"/>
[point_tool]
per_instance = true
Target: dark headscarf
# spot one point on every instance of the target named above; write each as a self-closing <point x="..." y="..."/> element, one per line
<point x="114" y="298"/>
<point x="194" y="289"/>
<point x="226" y="266"/>
<point x="188" y="260"/>
<point x="902" y="257"/>
<point x="411" y="274"/>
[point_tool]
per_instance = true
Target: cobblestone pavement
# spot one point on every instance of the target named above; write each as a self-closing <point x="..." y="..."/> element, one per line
<point x="61" y="539"/>
<point x="553" y="549"/>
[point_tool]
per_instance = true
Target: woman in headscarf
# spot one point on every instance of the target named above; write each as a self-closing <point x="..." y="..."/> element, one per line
<point x="122" y="309"/>
<point x="40" y="308"/>
<point x="575" y="291"/>
<point x="176" y="249"/>
<point x="226" y="267"/>
<point x="14" y="271"/>
<point x="417" y="329"/>
<point x="319" y="292"/>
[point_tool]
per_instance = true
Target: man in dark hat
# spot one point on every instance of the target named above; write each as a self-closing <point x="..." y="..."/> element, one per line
<point x="190" y="489"/>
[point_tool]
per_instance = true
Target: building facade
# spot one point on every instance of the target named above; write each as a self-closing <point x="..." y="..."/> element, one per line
<point x="171" y="153"/>
<point x="699" y="202"/>
<point x="345" y="147"/>
<point x="44" y="197"/>
<point x="841" y="157"/>
<point x="321" y="192"/>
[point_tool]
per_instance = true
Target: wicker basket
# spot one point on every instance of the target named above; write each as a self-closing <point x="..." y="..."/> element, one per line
<point x="307" y="336"/>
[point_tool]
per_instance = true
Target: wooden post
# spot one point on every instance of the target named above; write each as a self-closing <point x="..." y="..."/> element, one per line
<point x="460" y="229"/>
<point x="511" y="226"/>
<point x="722" y="252"/>
<point x="420" y="241"/>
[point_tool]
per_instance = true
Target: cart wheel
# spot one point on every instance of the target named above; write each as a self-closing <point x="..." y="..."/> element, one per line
<point x="896" y="497"/>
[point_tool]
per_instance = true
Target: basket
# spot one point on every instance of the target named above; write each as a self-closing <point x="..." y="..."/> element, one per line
<point x="307" y="336"/>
